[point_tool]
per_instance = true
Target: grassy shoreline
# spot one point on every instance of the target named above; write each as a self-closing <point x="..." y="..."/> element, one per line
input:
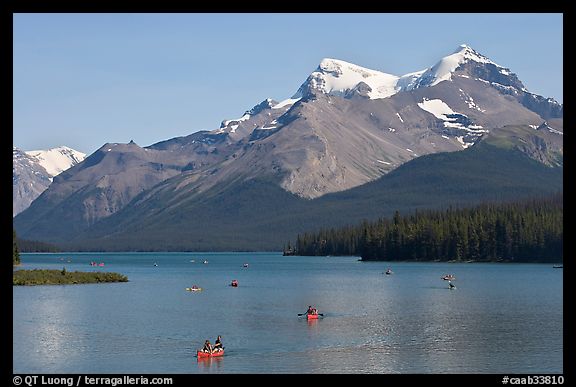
<point x="63" y="277"/>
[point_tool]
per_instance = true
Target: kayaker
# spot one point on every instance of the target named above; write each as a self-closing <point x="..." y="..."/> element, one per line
<point x="218" y="344"/>
<point x="208" y="347"/>
<point x="311" y="310"/>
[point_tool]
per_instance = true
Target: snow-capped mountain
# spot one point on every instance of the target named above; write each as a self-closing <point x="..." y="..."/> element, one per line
<point x="340" y="78"/>
<point x="33" y="171"/>
<point x="445" y="68"/>
<point x="56" y="160"/>
<point x="345" y="126"/>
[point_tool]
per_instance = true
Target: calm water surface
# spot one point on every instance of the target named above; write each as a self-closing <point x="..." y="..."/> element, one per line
<point x="502" y="318"/>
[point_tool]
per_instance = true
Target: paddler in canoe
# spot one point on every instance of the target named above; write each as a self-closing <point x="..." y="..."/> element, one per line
<point x="218" y="344"/>
<point x="311" y="310"/>
<point x="208" y="348"/>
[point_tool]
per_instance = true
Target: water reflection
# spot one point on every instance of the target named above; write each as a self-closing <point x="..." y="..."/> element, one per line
<point x="51" y="319"/>
<point x="207" y="363"/>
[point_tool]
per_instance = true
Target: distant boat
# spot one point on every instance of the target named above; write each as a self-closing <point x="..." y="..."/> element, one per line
<point x="245" y="265"/>
<point x="558" y="266"/>
<point x="389" y="271"/>
<point x="448" y="277"/>
<point x="234" y="283"/>
<point x="155" y="264"/>
<point x="205" y="261"/>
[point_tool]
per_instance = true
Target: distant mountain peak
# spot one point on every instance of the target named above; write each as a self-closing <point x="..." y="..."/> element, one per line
<point x="338" y="77"/>
<point x="58" y="159"/>
<point x="465" y="52"/>
<point x="33" y="171"/>
<point x="344" y="79"/>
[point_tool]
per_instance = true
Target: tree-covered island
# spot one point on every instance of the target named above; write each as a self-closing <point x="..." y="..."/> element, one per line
<point x="63" y="277"/>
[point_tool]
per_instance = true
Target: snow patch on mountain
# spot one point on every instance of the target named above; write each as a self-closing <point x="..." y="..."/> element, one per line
<point x="436" y="107"/>
<point x="453" y="120"/>
<point x="337" y="77"/>
<point x="286" y="102"/>
<point x="470" y="101"/>
<point x="57" y="160"/>
<point x="443" y="69"/>
<point x="225" y="123"/>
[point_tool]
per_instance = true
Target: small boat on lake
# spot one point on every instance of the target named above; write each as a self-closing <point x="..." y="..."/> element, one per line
<point x="234" y="283"/>
<point x="448" y="277"/>
<point x="245" y="265"/>
<point x="558" y="266"/>
<point x="194" y="288"/>
<point x="389" y="271"/>
<point x="205" y="261"/>
<point x="202" y="354"/>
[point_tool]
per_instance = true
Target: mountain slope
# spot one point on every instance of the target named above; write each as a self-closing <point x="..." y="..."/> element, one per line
<point x="33" y="171"/>
<point x="256" y="214"/>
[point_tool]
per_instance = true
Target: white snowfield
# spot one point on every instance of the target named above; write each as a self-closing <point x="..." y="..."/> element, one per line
<point x="57" y="160"/>
<point x="441" y="110"/>
<point x="442" y="71"/>
<point x="437" y="107"/>
<point x="286" y="102"/>
<point x="337" y="77"/>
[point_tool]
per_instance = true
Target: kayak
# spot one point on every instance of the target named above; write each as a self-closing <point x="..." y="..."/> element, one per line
<point x="312" y="316"/>
<point x="194" y="289"/>
<point x="201" y="354"/>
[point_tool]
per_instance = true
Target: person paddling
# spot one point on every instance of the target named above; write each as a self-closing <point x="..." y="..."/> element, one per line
<point x="218" y="344"/>
<point x="311" y="310"/>
<point x="208" y="348"/>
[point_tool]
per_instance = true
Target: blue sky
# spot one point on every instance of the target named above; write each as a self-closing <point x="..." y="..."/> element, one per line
<point x="82" y="80"/>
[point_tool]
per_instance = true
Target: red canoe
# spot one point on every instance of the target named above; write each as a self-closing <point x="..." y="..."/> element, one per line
<point x="202" y="354"/>
<point x="312" y="316"/>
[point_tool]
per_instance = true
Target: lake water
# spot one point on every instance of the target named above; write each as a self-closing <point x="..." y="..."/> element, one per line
<point x="501" y="318"/>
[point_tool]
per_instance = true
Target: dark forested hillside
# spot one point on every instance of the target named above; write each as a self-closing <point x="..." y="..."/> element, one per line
<point x="520" y="231"/>
<point x="27" y="246"/>
<point x="15" y="250"/>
